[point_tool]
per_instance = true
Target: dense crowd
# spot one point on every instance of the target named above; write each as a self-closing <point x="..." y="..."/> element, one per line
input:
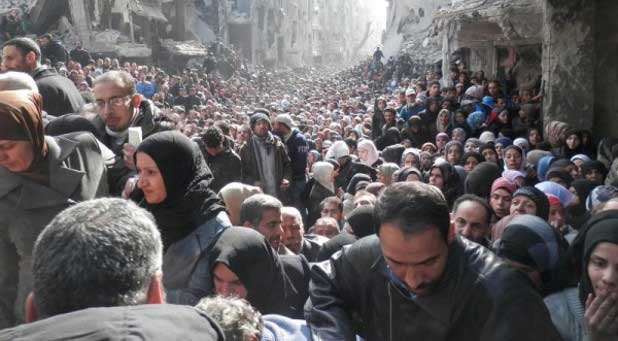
<point x="382" y="202"/>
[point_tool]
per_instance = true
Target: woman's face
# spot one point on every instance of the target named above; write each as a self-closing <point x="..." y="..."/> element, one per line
<point x="490" y="155"/>
<point x="435" y="178"/>
<point x="444" y="119"/>
<point x="469" y="147"/>
<point x="594" y="175"/>
<point x="534" y="137"/>
<point x="227" y="282"/>
<point x="603" y="269"/>
<point x="441" y="142"/>
<point x="410" y="161"/>
<point x="512" y="159"/>
<point x="500" y="202"/>
<point x="363" y="154"/>
<point x="460" y="118"/>
<point x="150" y="179"/>
<point x="458" y="135"/>
<point x="523" y="205"/>
<point x="573" y="141"/>
<point x="453" y="155"/>
<point x="426" y="161"/>
<point x="471" y="162"/>
<point x="16" y="156"/>
<point x="556" y="216"/>
<point x="503" y="117"/>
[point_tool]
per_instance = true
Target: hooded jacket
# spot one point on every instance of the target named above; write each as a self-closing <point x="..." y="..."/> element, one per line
<point x="477" y="298"/>
<point x="250" y="172"/>
<point x="60" y="96"/>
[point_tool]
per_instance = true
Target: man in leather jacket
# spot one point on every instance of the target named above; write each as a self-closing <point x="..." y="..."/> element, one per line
<point x="415" y="280"/>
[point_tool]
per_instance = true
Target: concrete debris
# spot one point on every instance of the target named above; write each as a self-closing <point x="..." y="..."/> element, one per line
<point x="185" y="48"/>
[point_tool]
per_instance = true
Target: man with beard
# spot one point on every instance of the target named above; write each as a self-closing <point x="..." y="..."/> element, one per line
<point x="426" y="277"/>
<point x="265" y="162"/>
<point x="120" y="107"/>
<point x="60" y="96"/>
<point x="262" y="213"/>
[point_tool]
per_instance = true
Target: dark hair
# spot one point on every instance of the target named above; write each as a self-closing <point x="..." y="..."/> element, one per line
<point x="25" y="46"/>
<point x="476" y="199"/>
<point x="213" y="137"/>
<point x="413" y="207"/>
<point x="391" y="110"/>
<point x="98" y="253"/>
<point x="332" y="200"/>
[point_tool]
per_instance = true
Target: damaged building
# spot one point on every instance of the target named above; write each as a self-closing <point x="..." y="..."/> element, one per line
<point x="566" y="48"/>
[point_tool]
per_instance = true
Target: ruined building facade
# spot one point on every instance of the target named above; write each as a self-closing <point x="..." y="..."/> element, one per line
<point x="568" y="48"/>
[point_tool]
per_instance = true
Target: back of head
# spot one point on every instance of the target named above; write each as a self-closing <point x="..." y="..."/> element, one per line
<point x="238" y="319"/>
<point x="98" y="253"/>
<point x="413" y="206"/>
<point x="13" y="80"/>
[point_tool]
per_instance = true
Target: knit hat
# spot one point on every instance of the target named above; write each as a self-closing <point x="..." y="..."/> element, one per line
<point x="362" y="221"/>
<point x="538" y="197"/>
<point x="600" y="195"/>
<point x="259" y="116"/>
<point x="582" y="157"/>
<point x="505" y="184"/>
<point x="285" y="119"/>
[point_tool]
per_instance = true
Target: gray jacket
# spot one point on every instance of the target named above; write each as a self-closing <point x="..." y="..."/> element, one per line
<point x="76" y="172"/>
<point x="186" y="266"/>
<point x="567" y="314"/>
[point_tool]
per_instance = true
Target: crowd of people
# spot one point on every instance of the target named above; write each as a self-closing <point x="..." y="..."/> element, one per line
<point x="304" y="205"/>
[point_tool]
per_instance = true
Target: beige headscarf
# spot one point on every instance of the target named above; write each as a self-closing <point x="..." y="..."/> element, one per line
<point x="233" y="195"/>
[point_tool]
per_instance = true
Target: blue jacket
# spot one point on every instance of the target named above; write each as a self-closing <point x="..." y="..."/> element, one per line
<point x="408" y="111"/>
<point x="297" y="151"/>
<point x="281" y="328"/>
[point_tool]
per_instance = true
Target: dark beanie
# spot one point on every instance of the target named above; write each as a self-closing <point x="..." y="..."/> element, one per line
<point x="362" y="221"/>
<point x="480" y="179"/>
<point x="258" y="116"/>
<point x="393" y="153"/>
<point x="539" y="198"/>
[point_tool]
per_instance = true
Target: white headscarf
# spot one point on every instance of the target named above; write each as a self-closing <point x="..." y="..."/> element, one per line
<point x="323" y="174"/>
<point x="338" y="150"/>
<point x="372" y="152"/>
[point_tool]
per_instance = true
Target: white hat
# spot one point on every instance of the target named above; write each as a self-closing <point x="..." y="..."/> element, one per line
<point x="410" y="92"/>
<point x="285" y="119"/>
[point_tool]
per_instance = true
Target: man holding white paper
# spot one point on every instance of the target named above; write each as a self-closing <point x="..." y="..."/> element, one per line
<point x="125" y="117"/>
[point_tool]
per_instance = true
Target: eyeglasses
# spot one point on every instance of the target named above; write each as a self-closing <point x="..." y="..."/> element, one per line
<point x="117" y="101"/>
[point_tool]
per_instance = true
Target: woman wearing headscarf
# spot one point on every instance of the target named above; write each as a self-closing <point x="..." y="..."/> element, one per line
<point x="475" y="122"/>
<point x="459" y="134"/>
<point x="500" y="123"/>
<point x="531" y="245"/>
<point x="416" y="132"/>
<point x="233" y="195"/>
<point x="391" y="137"/>
<point x="470" y="160"/>
<point x="243" y="264"/>
<point x="583" y="312"/>
<point x="445" y="177"/>
<point x="409" y="174"/>
<point x="444" y="122"/>
<point x="530" y="200"/>
<point x="599" y="196"/>
<point x="39" y="177"/>
<point x="572" y="144"/>
<point x="594" y="171"/>
<point x="441" y="140"/>
<point x="174" y="180"/>
<point x="323" y="187"/>
<point x="480" y="179"/>
<point x="514" y="158"/>
<point x="411" y="157"/>
<point x="577" y="213"/>
<point x="385" y="172"/>
<point x="368" y="153"/>
<point x="453" y="152"/>
<point x="550" y="187"/>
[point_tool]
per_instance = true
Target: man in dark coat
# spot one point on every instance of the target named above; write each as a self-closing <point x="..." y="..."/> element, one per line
<point x="80" y="55"/>
<point x="265" y="162"/>
<point x="60" y="96"/>
<point x="297" y="149"/>
<point x="221" y="159"/>
<point x="52" y="49"/>
<point x="120" y="108"/>
<point x="432" y="285"/>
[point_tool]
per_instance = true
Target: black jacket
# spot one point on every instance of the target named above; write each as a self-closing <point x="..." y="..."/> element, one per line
<point x="55" y="52"/>
<point x="60" y="96"/>
<point x="119" y="173"/>
<point x="225" y="167"/>
<point x="478" y="298"/>
<point x="141" y="322"/>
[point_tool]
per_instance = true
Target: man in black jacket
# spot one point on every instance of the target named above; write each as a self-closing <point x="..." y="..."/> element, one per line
<point x="224" y="163"/>
<point x="60" y="96"/>
<point x="52" y="49"/>
<point x="416" y="280"/>
<point x="298" y="149"/>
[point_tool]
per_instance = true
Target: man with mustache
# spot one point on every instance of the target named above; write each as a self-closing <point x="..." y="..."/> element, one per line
<point x="119" y="107"/>
<point x="262" y="212"/>
<point x="417" y="280"/>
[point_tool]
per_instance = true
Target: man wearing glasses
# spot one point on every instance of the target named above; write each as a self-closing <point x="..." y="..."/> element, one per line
<point x="119" y="107"/>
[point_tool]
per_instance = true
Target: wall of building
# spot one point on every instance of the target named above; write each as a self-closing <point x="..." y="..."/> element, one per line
<point x="606" y="68"/>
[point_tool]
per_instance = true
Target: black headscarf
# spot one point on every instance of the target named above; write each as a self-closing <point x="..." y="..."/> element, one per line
<point x="600" y="228"/>
<point x="393" y="153"/>
<point x="362" y="221"/>
<point x="578" y="213"/>
<point x="355" y="180"/>
<point x="405" y="172"/>
<point x="452" y="187"/>
<point x="480" y="179"/>
<point x="249" y="255"/>
<point x="189" y="202"/>
<point x="539" y="198"/>
<point x="587" y="167"/>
